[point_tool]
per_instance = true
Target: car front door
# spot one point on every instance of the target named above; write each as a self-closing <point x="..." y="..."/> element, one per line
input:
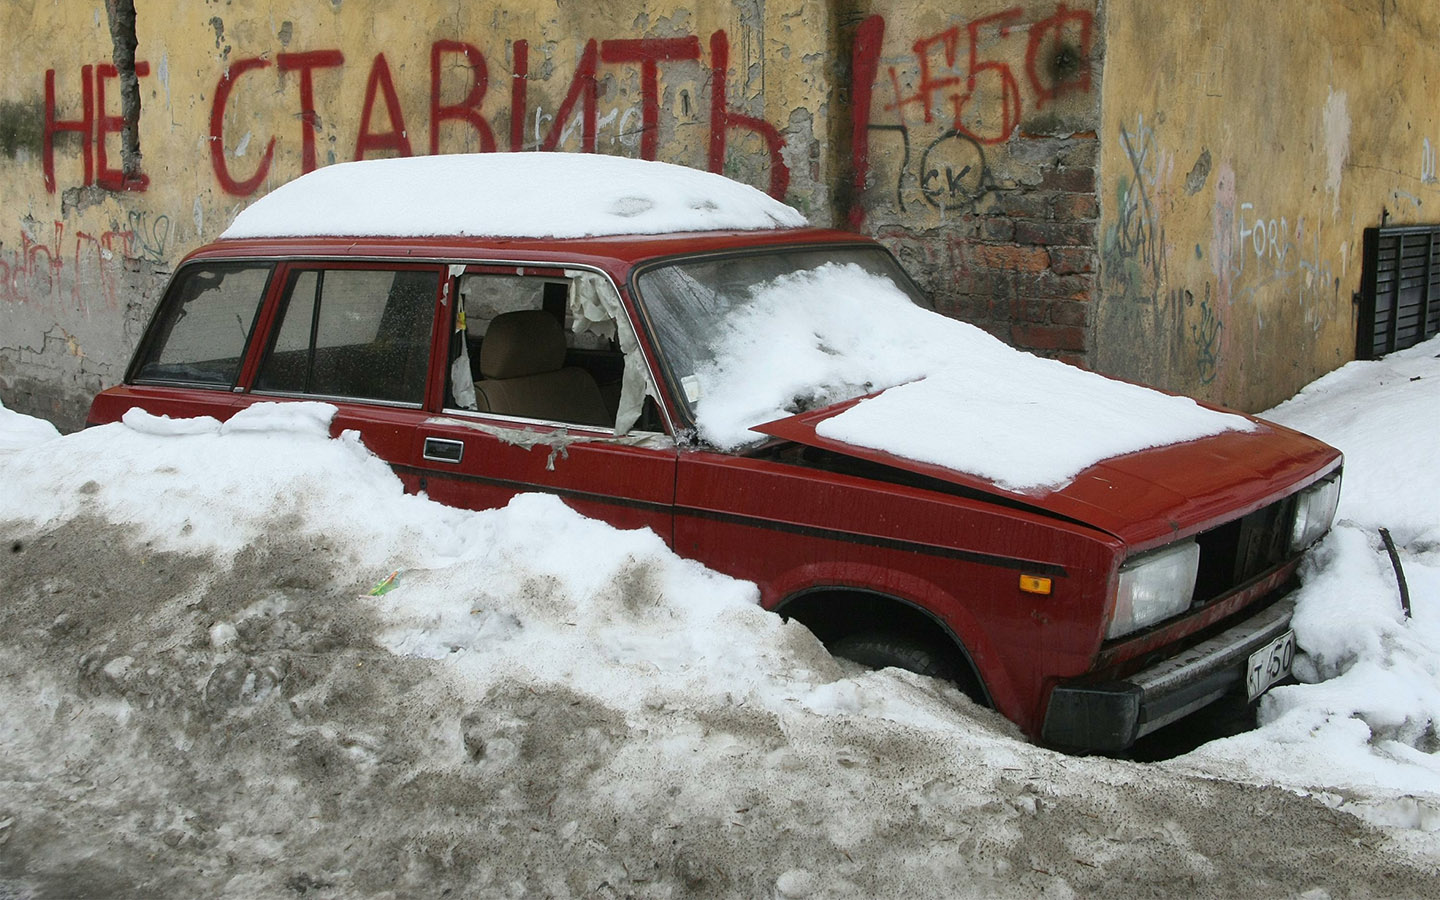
<point x="534" y="377"/>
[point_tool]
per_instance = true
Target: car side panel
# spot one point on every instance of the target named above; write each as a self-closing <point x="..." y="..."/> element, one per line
<point x="624" y="485"/>
<point x="791" y="528"/>
<point x="162" y="400"/>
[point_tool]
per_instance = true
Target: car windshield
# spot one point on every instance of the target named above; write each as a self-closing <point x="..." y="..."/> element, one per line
<point x="750" y="338"/>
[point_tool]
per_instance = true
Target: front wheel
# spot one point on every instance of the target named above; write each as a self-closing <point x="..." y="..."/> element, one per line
<point x="879" y="651"/>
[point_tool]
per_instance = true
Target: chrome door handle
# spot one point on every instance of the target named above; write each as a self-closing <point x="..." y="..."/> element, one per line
<point x="443" y="450"/>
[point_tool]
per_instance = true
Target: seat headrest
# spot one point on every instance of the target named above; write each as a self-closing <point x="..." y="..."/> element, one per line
<point x="524" y="342"/>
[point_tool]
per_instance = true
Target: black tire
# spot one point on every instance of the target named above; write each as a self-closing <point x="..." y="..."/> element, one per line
<point x="879" y="651"/>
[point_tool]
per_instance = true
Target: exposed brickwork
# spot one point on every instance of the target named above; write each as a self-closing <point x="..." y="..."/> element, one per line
<point x="1075" y="207"/>
<point x="1012" y="257"/>
<point x="1070" y="234"/>
<point x="1021" y="264"/>
<point x="1069" y="178"/>
<point x="1072" y="260"/>
<point x="1048" y="337"/>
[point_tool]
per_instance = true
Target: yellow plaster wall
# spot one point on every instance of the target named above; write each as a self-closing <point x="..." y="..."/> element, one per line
<point x="80" y="266"/>
<point x="1245" y="149"/>
<point x="1172" y="192"/>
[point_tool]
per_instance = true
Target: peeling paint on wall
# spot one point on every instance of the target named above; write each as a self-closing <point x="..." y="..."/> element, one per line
<point x="1336" y="124"/>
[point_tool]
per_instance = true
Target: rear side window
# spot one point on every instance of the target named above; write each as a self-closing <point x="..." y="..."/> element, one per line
<point x="199" y="337"/>
<point x="355" y="333"/>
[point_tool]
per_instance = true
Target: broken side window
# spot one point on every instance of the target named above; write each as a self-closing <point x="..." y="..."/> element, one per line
<point x="544" y="346"/>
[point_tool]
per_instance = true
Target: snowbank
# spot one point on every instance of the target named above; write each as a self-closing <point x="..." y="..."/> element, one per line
<point x="18" y="431"/>
<point x="972" y="404"/>
<point x="196" y="486"/>
<point x="201" y="698"/>
<point x="1364" y="730"/>
<point x="509" y="195"/>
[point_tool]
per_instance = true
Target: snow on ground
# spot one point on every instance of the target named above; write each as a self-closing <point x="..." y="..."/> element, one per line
<point x="17" y="431"/>
<point x="837" y="332"/>
<point x="1365" y="729"/>
<point x="509" y="195"/>
<point x="200" y="697"/>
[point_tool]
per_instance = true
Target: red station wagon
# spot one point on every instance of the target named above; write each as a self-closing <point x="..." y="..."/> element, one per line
<point x="1143" y="588"/>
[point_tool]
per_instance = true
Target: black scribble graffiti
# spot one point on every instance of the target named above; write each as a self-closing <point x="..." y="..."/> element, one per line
<point x="904" y="160"/>
<point x="150" y="237"/>
<point x="953" y="171"/>
<point x="1205" y="335"/>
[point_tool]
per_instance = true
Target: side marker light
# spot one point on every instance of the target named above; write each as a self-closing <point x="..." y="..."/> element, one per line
<point x="1034" y="584"/>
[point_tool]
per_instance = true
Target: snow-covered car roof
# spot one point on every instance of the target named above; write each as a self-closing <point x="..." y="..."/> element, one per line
<point x="509" y="195"/>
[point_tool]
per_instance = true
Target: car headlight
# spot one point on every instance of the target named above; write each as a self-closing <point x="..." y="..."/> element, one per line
<point x="1154" y="586"/>
<point x="1314" y="511"/>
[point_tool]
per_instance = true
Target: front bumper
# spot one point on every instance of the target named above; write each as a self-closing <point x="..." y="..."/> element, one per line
<point x="1110" y="716"/>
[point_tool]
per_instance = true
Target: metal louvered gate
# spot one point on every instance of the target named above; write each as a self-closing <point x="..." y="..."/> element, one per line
<point x="1399" y="289"/>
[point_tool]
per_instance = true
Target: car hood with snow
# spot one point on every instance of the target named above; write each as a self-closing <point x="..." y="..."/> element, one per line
<point x="843" y="337"/>
<point x="1145" y="497"/>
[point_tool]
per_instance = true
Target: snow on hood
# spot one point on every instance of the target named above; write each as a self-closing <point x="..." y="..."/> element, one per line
<point x="509" y="195"/>
<point x="972" y="403"/>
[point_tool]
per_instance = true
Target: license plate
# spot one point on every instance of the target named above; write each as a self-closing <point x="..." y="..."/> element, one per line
<point x="1269" y="664"/>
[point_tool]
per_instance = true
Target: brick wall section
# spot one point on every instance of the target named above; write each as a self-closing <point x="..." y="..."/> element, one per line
<point x="1028" y="276"/>
<point x="1022" y="264"/>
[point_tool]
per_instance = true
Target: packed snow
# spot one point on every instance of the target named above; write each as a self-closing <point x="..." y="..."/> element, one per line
<point x="1365" y="728"/>
<point x="202" y="696"/>
<point x="17" y="431"/>
<point x="508" y="195"/>
<point x="972" y="403"/>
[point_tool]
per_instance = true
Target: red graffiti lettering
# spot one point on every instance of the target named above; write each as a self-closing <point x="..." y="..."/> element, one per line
<point x="1051" y="34"/>
<point x="396" y="139"/>
<point x="518" y="85"/>
<point x="1009" y="87"/>
<point x="21" y="270"/>
<point x="1059" y="45"/>
<point x="649" y="53"/>
<point x="53" y="262"/>
<point x="217" y="132"/>
<point x="864" y="63"/>
<point x="306" y="64"/>
<point x="467" y="110"/>
<point x="79" y="293"/>
<point x="35" y="273"/>
<point x="927" y="84"/>
<point x="583" y="85"/>
<point x="81" y="126"/>
<point x="105" y="125"/>
<point x="722" y="119"/>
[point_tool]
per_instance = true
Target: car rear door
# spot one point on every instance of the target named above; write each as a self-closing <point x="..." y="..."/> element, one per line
<point x="359" y="335"/>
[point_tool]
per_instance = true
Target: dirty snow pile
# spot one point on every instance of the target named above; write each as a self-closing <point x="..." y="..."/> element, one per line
<point x="201" y="696"/>
<point x="837" y="332"/>
<point x="509" y="195"/>
<point x="1367" y="735"/>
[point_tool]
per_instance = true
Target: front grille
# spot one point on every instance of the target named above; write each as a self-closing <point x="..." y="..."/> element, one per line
<point x="1234" y="553"/>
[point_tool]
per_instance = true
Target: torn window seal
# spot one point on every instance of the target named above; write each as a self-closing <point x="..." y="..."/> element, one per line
<point x="558" y="440"/>
<point x="596" y="308"/>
